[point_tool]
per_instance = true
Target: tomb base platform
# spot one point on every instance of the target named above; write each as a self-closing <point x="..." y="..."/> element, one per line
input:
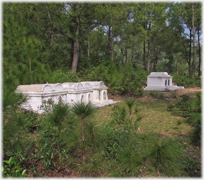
<point x="104" y="103"/>
<point x="163" y="88"/>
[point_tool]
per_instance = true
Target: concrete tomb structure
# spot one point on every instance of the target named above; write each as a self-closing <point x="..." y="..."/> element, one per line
<point x="39" y="95"/>
<point x="160" y="81"/>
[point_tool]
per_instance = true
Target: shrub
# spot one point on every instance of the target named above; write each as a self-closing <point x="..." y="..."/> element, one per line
<point x="186" y="81"/>
<point x="54" y="129"/>
<point x="83" y="110"/>
<point x="164" y="154"/>
<point x="12" y="168"/>
<point x="124" y="79"/>
<point x="60" y="77"/>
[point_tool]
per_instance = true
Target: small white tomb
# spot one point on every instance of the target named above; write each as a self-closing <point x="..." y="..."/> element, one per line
<point x="160" y="81"/>
<point x="69" y="92"/>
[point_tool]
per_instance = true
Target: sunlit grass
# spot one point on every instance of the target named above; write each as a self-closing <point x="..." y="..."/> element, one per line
<point x="156" y="124"/>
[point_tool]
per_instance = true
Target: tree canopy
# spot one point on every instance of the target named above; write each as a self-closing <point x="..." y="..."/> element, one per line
<point x="40" y="38"/>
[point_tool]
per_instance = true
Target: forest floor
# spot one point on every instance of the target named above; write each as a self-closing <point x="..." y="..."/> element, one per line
<point x="147" y="101"/>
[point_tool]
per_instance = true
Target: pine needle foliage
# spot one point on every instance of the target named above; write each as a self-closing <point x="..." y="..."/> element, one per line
<point x="130" y="103"/>
<point x="83" y="110"/>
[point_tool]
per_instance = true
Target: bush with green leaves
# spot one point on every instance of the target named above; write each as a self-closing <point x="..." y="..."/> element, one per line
<point x="60" y="76"/>
<point x="13" y="130"/>
<point x="117" y="77"/>
<point x="11" y="168"/>
<point x="16" y="143"/>
<point x="164" y="154"/>
<point x="186" y="81"/>
<point x="54" y="130"/>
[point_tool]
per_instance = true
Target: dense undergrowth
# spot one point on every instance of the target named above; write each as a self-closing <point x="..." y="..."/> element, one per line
<point x="111" y="148"/>
<point x="190" y="108"/>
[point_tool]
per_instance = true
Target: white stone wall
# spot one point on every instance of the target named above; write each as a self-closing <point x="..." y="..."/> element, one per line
<point x="160" y="81"/>
<point x="70" y="93"/>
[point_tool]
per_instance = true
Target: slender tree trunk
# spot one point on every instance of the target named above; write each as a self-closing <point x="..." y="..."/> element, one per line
<point x="190" y="68"/>
<point x="112" y="50"/>
<point x="148" y="63"/>
<point x="149" y="60"/>
<point x="156" y="58"/>
<point x="109" y="40"/>
<point x="76" y="43"/>
<point x="199" y="63"/>
<point x="71" y="52"/>
<point x="132" y="56"/>
<point x="194" y="47"/>
<point x="186" y="53"/>
<point x="144" y="55"/>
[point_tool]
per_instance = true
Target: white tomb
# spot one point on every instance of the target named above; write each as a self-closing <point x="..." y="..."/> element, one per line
<point x="160" y="81"/>
<point x="39" y="95"/>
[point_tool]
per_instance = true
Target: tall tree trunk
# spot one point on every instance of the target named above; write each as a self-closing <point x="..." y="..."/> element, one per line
<point x="194" y="47"/>
<point x="132" y="56"/>
<point x="109" y="40"/>
<point x="71" y="52"/>
<point x="199" y="63"/>
<point x="75" y="56"/>
<point x="149" y="60"/>
<point x="144" y="55"/>
<point x="112" y="50"/>
<point x="190" y="68"/>
<point x="76" y="43"/>
<point x="156" y="59"/>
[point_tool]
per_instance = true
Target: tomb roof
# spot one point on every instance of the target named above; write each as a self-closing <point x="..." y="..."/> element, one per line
<point x="31" y="87"/>
<point x="159" y="74"/>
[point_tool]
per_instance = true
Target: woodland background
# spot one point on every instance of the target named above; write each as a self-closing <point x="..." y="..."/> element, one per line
<point x="42" y="40"/>
<point x="151" y="134"/>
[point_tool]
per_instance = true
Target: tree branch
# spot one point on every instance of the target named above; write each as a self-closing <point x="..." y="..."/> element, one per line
<point x="54" y="24"/>
<point x="92" y="27"/>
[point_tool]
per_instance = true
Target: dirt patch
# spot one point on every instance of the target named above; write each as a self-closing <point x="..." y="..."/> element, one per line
<point x="147" y="97"/>
<point x="40" y="171"/>
<point x="188" y="91"/>
<point x="169" y="95"/>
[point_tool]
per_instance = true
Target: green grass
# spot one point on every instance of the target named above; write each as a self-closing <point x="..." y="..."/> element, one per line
<point x="157" y="124"/>
<point x="158" y="145"/>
